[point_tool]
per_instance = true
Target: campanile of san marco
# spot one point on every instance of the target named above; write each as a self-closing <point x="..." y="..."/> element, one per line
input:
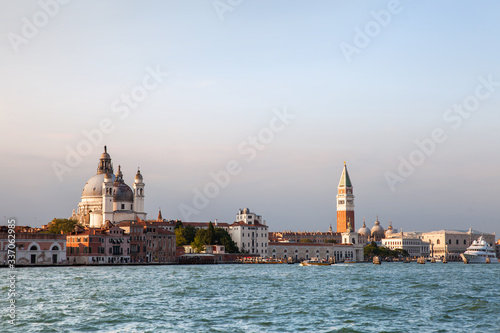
<point x="345" y="203"/>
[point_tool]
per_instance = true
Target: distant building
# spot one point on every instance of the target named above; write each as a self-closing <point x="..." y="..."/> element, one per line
<point x="106" y="197"/>
<point x="453" y="243"/>
<point x="345" y="202"/>
<point x="33" y="247"/>
<point x="250" y="233"/>
<point x="309" y="236"/>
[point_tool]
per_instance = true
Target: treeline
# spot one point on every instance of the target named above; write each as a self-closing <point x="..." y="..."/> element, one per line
<point x="56" y="226"/>
<point x="198" y="238"/>
<point x="372" y="250"/>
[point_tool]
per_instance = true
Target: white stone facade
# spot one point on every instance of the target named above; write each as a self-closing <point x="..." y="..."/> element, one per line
<point x="453" y="243"/>
<point x="298" y="252"/>
<point x="414" y="246"/>
<point x="249" y="234"/>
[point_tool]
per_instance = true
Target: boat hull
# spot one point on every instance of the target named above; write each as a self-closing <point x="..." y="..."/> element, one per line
<point x="304" y="263"/>
<point x="471" y="259"/>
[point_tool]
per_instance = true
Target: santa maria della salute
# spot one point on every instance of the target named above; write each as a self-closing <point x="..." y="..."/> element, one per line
<point x="106" y="197"/>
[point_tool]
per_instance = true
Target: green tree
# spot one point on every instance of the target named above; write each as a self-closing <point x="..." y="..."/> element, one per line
<point x="200" y="240"/>
<point x="210" y="234"/>
<point x="64" y="225"/>
<point x="179" y="237"/>
<point x="189" y="233"/>
<point x="222" y="237"/>
<point x="178" y="225"/>
<point x="306" y="240"/>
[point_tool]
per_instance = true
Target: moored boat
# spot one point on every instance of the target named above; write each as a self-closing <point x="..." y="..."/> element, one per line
<point x="314" y="263"/>
<point x="480" y="252"/>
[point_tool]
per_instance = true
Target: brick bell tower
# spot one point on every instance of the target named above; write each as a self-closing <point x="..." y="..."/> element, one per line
<point x="345" y="203"/>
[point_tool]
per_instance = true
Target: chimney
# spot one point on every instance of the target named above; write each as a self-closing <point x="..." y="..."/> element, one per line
<point x="215" y="221"/>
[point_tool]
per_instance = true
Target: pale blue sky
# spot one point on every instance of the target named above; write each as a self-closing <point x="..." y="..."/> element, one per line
<point x="225" y="79"/>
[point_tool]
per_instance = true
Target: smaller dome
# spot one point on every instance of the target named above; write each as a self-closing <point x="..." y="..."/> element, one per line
<point x="389" y="231"/>
<point x="364" y="231"/>
<point x="121" y="191"/>
<point x="377" y="231"/>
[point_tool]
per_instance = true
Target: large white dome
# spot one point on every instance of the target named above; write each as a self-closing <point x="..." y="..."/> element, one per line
<point x="93" y="188"/>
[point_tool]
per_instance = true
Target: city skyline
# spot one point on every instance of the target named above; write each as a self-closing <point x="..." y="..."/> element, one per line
<point x="277" y="96"/>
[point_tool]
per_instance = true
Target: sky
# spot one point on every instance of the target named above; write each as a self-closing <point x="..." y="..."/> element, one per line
<point x="229" y="104"/>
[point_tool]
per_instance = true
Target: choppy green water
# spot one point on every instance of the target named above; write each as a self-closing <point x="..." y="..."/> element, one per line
<point x="393" y="297"/>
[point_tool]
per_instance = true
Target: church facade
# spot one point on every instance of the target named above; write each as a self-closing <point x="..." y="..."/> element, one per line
<point x="106" y="197"/>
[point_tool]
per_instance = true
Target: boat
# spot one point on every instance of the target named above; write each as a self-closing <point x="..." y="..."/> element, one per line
<point x="349" y="261"/>
<point x="480" y="252"/>
<point x="376" y="260"/>
<point x="421" y="260"/>
<point x="314" y="263"/>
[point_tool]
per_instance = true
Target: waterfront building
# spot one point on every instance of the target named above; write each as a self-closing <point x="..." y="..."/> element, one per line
<point x="33" y="247"/>
<point x="109" y="245"/>
<point x="350" y="248"/>
<point x="160" y="244"/>
<point x="250" y="233"/>
<point x="151" y="241"/>
<point x="497" y="249"/>
<point x="106" y="197"/>
<point x="345" y="202"/>
<point x="298" y="252"/>
<point x="453" y="243"/>
<point x="415" y="247"/>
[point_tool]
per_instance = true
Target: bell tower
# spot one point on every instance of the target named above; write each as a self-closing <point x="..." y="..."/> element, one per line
<point x="345" y="203"/>
<point x="139" y="195"/>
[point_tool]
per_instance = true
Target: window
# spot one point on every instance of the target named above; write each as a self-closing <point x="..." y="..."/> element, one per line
<point x="438" y="242"/>
<point x="33" y="248"/>
<point x="123" y="206"/>
<point x="465" y="242"/>
<point x="457" y="241"/>
<point x="449" y="241"/>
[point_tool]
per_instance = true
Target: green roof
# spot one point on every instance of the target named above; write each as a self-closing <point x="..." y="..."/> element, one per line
<point x="345" y="181"/>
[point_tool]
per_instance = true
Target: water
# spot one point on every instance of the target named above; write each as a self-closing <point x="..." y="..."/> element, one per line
<point x="392" y="297"/>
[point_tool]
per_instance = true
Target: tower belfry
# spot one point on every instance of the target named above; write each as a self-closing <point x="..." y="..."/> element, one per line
<point x="345" y="203"/>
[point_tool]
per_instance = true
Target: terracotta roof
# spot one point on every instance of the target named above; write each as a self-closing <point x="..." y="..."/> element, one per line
<point x="308" y="244"/>
<point x="241" y="223"/>
<point x="205" y="224"/>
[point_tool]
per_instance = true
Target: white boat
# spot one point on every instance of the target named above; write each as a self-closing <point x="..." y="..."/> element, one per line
<point x="480" y="252"/>
<point x="314" y="263"/>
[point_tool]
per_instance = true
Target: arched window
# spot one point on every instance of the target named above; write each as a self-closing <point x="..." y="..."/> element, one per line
<point x="449" y="241"/>
<point x="33" y="248"/>
<point x="465" y="242"/>
<point x="457" y="241"/>
<point x="55" y="248"/>
<point x="438" y="242"/>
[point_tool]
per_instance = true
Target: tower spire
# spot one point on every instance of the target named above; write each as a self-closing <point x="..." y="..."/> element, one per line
<point x="345" y="203"/>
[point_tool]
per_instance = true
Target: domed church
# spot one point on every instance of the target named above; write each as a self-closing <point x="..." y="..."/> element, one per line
<point x="106" y="197"/>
